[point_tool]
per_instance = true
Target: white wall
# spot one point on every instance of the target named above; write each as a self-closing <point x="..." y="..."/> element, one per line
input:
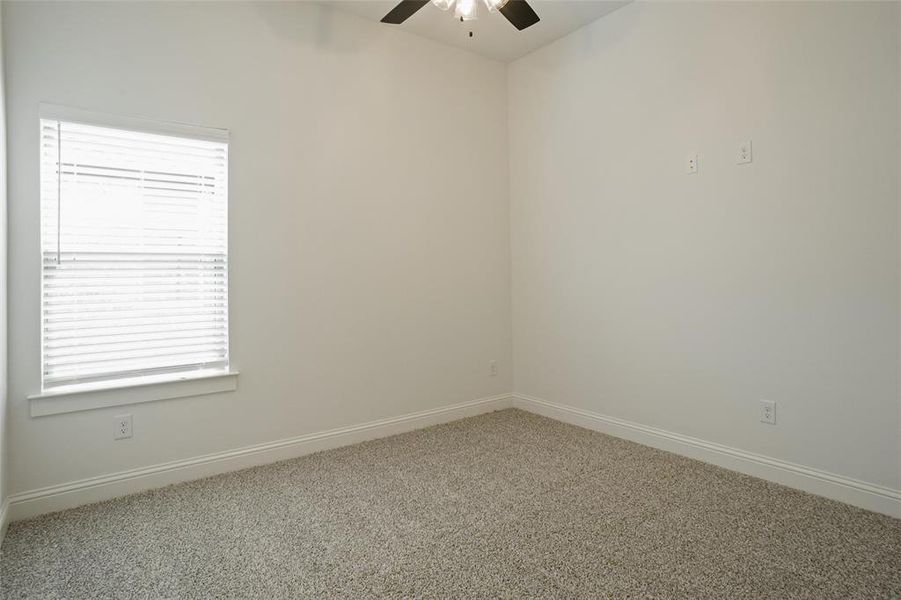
<point x="369" y="241"/>
<point x="677" y="301"/>
<point x="4" y="438"/>
<point x="370" y="236"/>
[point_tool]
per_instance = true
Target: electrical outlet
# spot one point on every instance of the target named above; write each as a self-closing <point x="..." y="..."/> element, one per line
<point x="768" y="412"/>
<point x="744" y="153"/>
<point x="492" y="368"/>
<point x="691" y="163"/>
<point x="122" y="427"/>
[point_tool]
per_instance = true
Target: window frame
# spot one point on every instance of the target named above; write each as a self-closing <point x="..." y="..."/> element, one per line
<point x="135" y="389"/>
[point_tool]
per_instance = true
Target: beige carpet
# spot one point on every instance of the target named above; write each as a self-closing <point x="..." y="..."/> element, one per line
<point x="507" y="505"/>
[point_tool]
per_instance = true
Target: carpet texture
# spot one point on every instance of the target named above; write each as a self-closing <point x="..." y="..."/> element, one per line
<point x="504" y="505"/>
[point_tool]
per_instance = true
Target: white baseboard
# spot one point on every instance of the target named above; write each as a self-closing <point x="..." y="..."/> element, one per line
<point x="85" y="491"/>
<point x="4" y="519"/>
<point x="836" y="487"/>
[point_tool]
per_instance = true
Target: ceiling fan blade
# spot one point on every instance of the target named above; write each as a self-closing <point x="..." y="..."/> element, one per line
<point x="403" y="11"/>
<point x="519" y="13"/>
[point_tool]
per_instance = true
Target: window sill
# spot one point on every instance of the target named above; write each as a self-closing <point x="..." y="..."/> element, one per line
<point x="80" y="397"/>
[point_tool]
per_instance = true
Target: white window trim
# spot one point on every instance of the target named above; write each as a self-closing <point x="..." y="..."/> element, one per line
<point x="79" y="397"/>
<point x="122" y="392"/>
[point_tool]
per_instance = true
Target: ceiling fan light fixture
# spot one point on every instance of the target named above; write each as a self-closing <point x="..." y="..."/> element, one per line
<point x="466" y="10"/>
<point x="519" y="13"/>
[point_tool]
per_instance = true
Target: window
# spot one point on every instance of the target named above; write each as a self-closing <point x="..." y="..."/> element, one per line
<point x="134" y="245"/>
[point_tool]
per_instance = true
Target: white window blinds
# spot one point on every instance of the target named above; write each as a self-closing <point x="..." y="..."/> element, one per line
<point x="134" y="243"/>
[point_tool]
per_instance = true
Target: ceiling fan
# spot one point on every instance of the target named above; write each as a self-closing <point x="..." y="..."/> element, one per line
<point x="518" y="12"/>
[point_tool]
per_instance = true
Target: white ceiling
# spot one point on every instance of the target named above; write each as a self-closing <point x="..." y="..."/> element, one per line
<point x="493" y="35"/>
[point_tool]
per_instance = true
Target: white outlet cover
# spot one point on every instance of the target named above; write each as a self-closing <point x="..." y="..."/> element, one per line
<point x="768" y="412"/>
<point x="122" y="427"/>
<point x="691" y="163"/>
<point x="745" y="153"/>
